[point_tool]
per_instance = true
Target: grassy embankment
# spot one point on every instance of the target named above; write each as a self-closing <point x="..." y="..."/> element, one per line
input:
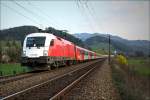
<point x="132" y="80"/>
<point x="12" y="69"/>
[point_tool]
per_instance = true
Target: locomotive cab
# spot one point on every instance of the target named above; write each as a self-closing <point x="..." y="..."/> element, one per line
<point x="35" y="49"/>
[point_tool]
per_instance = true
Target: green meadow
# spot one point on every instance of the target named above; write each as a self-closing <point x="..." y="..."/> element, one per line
<point x="132" y="80"/>
<point x="140" y="66"/>
<point x="12" y="69"/>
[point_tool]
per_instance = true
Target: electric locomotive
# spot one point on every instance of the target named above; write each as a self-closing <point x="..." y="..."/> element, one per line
<point x="49" y="51"/>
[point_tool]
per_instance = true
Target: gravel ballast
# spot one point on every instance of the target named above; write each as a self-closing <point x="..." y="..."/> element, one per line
<point x="18" y="85"/>
<point x="97" y="85"/>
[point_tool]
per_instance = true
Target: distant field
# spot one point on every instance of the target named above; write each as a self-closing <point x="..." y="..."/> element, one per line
<point x="140" y="65"/>
<point x="11" y="69"/>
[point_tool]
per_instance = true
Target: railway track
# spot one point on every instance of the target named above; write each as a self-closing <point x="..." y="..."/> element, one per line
<point x="22" y="84"/>
<point x="7" y="79"/>
<point x="55" y="87"/>
<point x="61" y="94"/>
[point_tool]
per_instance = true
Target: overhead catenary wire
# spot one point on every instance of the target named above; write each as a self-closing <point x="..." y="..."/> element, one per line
<point x="33" y="13"/>
<point x="93" y="14"/>
<point x="29" y="11"/>
<point x="80" y="6"/>
<point x="90" y="12"/>
<point x="56" y="23"/>
<point x="20" y="13"/>
<point x="86" y="14"/>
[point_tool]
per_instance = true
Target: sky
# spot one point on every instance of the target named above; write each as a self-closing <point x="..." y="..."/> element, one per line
<point x="127" y="19"/>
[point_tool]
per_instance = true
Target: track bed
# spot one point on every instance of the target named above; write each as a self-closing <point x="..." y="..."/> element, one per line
<point x="31" y="87"/>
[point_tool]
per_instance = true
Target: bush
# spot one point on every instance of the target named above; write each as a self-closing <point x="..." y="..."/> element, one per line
<point x="5" y="59"/>
<point x="10" y="51"/>
<point x="122" y="60"/>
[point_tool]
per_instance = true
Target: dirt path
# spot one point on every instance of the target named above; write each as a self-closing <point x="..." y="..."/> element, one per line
<point x="97" y="86"/>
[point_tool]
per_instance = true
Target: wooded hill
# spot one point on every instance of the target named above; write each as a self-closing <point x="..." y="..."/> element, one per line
<point x="99" y="42"/>
<point x="19" y="33"/>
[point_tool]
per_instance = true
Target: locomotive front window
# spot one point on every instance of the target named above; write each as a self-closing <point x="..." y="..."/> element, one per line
<point x="35" y="42"/>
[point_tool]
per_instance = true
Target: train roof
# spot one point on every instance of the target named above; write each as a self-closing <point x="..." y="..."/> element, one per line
<point x="85" y="49"/>
<point x="54" y="37"/>
<point x="41" y="34"/>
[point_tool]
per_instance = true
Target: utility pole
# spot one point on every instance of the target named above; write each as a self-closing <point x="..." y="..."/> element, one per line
<point x="109" y="51"/>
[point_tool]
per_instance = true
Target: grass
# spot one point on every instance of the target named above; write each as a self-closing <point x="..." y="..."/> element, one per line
<point x="140" y="66"/>
<point x="132" y="84"/>
<point x="118" y="76"/>
<point x="12" y="69"/>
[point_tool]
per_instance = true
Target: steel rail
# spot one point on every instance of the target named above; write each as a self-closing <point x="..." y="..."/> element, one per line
<point x="38" y="85"/>
<point x="60" y="94"/>
<point x="19" y="77"/>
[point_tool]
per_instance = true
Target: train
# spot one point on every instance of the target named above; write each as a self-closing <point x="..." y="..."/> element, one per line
<point x="48" y="50"/>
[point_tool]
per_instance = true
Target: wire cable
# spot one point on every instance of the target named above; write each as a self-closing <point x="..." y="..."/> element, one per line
<point x="31" y="12"/>
<point x="93" y="14"/>
<point x="83" y="12"/>
<point x="20" y="13"/>
<point x="46" y="15"/>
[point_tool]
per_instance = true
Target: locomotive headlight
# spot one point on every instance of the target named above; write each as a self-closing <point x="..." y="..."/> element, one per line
<point x="45" y="53"/>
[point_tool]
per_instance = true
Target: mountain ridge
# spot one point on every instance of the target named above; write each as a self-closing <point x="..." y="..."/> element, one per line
<point x="120" y="44"/>
<point x="96" y="41"/>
